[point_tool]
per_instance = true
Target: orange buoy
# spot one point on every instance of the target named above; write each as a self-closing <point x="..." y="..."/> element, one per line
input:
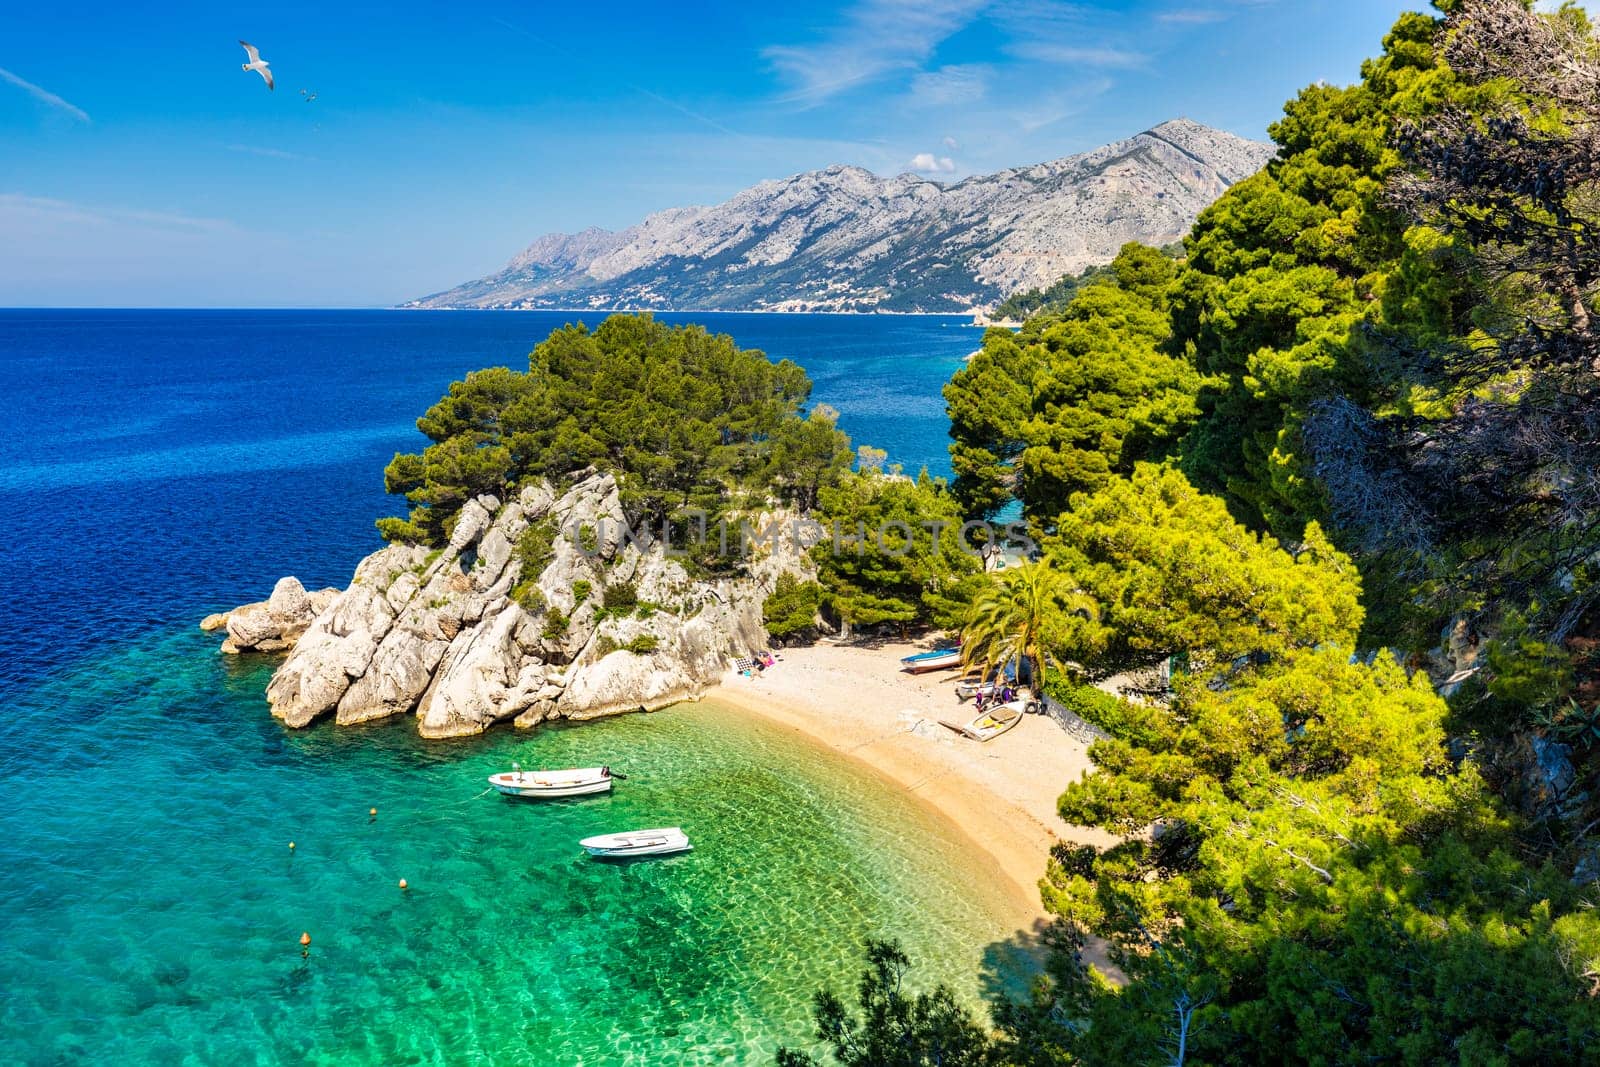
<point x="291" y="846"/>
<point x="372" y="812"/>
<point x="403" y="884"/>
<point x="305" y="940"/>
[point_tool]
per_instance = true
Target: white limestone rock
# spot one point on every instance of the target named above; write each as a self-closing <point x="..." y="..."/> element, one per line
<point x="440" y="634"/>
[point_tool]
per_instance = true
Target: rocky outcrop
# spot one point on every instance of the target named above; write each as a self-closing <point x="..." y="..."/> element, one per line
<point x="845" y="239"/>
<point x="1458" y="656"/>
<point x="480" y="633"/>
<point x="274" y="624"/>
<point x="1547" y="773"/>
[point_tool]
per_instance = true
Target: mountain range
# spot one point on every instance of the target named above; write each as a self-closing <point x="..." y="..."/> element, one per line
<point x="845" y="239"/>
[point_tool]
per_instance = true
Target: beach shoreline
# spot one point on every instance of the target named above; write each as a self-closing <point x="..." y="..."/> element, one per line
<point x="999" y="795"/>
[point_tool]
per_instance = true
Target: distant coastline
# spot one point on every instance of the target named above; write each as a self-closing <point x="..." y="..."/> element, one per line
<point x="967" y="314"/>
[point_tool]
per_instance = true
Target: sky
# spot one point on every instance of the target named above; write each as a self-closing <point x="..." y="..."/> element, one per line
<point x="140" y="166"/>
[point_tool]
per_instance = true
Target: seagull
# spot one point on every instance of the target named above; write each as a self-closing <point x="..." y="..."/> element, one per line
<point x="309" y="96"/>
<point x="256" y="63"/>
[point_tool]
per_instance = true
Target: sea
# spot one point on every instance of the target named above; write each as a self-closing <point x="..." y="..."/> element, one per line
<point x="161" y="465"/>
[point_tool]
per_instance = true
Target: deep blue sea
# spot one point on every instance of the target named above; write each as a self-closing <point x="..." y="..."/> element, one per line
<point x="160" y="465"/>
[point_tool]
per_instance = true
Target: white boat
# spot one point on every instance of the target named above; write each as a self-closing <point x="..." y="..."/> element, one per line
<point x="939" y="659"/>
<point x="638" y="843"/>
<point x="573" y="782"/>
<point x="991" y="722"/>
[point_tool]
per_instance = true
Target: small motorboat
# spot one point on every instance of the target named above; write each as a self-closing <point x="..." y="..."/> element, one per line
<point x="661" y="842"/>
<point x="573" y="782"/>
<point x="939" y="659"/>
<point x="991" y="722"/>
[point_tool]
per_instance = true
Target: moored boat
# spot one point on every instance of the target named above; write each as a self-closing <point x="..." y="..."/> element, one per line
<point x="572" y="782"/>
<point x="938" y="660"/>
<point x="660" y="842"/>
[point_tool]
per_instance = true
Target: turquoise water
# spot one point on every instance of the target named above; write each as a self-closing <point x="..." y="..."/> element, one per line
<point x="155" y="907"/>
<point x="177" y="463"/>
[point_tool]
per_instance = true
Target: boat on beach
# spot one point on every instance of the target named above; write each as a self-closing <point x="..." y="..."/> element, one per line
<point x="940" y="659"/>
<point x="572" y="782"/>
<point x="991" y="722"/>
<point x="975" y="683"/>
<point x="660" y="842"/>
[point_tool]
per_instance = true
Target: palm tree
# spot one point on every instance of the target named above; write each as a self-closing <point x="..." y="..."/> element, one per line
<point x="1031" y="611"/>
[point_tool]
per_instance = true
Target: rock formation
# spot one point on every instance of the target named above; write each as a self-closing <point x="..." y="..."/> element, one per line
<point x="274" y="624"/>
<point x="845" y="239"/>
<point x="479" y="632"/>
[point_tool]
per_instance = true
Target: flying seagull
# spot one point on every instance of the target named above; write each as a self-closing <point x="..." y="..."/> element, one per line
<point x="256" y="63"/>
<point x="309" y="96"/>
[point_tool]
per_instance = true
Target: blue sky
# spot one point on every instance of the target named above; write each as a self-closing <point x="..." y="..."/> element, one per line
<point x="140" y="166"/>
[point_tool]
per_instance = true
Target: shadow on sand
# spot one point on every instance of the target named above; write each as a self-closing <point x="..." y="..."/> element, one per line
<point x="1010" y="965"/>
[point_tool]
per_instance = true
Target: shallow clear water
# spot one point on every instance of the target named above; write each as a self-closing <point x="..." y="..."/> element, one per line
<point x="154" y="907"/>
<point x="170" y="464"/>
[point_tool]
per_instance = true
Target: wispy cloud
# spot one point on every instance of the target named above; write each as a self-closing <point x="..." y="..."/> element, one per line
<point x="958" y="84"/>
<point x="1080" y="55"/>
<point x="878" y="37"/>
<point x="1191" y="16"/>
<point x="1056" y="107"/>
<point x="65" y="212"/>
<point x="641" y="90"/>
<point x="269" y="153"/>
<point x="44" y="96"/>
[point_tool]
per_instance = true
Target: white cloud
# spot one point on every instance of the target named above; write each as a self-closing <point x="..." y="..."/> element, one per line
<point x="950" y="143"/>
<point x="17" y="207"/>
<point x="877" y="38"/>
<point x="1080" y="55"/>
<point x="928" y="163"/>
<point x="1055" y="107"/>
<point x="1191" y="16"/>
<point x="259" y="150"/>
<point x="44" y="95"/>
<point x="957" y="84"/>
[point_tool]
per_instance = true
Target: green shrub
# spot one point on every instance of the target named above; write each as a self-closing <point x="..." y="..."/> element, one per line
<point x="401" y="532"/>
<point x="1122" y="719"/>
<point x="580" y="591"/>
<point x="588" y="539"/>
<point x="604" y="645"/>
<point x="620" y="598"/>
<point x="792" y="607"/>
<point x="537" y="547"/>
<point x="529" y="596"/>
<point x="555" y="625"/>
<point x="644" y="644"/>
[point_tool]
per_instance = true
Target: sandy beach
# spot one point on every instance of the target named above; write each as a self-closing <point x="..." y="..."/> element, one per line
<point x="1000" y="794"/>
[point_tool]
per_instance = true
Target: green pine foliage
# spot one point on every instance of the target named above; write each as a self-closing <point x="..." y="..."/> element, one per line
<point x="893" y="553"/>
<point x="1075" y="397"/>
<point x="1172" y="574"/>
<point x="1058" y="294"/>
<point x="792" y="608"/>
<point x="895" y="1027"/>
<point x="1321" y="887"/>
<point x="684" y="418"/>
<point x="1384" y="417"/>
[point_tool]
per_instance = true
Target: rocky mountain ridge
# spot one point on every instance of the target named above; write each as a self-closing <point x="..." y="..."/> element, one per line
<point x="845" y="239"/>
